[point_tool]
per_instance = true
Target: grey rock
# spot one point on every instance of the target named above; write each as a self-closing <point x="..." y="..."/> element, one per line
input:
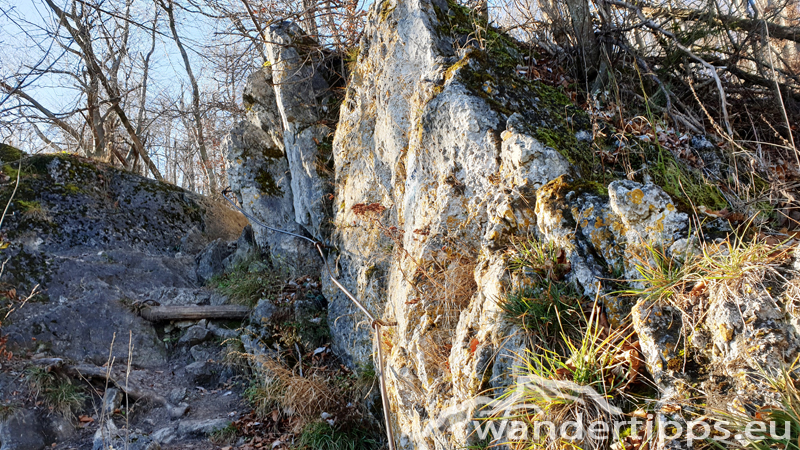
<point x="701" y="143"/>
<point x="176" y="412"/>
<point x="109" y="437"/>
<point x="210" y="262"/>
<point x="193" y="242"/>
<point x="202" y="353"/>
<point x="222" y="333"/>
<point x="195" y="335"/>
<point x="177" y="395"/>
<point x="22" y="431"/>
<point x="112" y="400"/>
<point x="166" y="435"/>
<point x="59" y="428"/>
<point x="201" y="372"/>
<point x="246" y="249"/>
<point x="201" y="427"/>
<point x="263" y="312"/>
<point x="96" y="267"/>
<point x="299" y="90"/>
<point x="260" y="176"/>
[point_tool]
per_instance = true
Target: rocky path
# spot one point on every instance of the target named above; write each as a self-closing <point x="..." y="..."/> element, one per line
<point x="102" y="244"/>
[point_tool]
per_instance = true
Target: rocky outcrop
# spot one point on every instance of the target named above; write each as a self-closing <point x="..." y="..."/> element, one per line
<point x="95" y="241"/>
<point x="86" y="248"/>
<point x="280" y="155"/>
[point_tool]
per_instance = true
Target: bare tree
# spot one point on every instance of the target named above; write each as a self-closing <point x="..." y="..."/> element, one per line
<point x="198" y="120"/>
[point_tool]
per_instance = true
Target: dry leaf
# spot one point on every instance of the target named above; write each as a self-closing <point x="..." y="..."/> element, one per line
<point x="699" y="288"/>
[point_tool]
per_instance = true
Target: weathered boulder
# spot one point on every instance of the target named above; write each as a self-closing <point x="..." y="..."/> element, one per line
<point x="22" y="430"/>
<point x="280" y="155"/>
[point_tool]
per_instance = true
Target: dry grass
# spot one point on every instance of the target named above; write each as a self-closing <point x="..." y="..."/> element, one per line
<point x="444" y="289"/>
<point x="792" y="295"/>
<point x="444" y="283"/>
<point x="302" y="396"/>
<point x="719" y="270"/>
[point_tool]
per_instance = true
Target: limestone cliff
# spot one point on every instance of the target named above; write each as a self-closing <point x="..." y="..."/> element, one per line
<point x="444" y="154"/>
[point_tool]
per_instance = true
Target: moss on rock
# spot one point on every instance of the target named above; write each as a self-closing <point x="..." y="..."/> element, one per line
<point x="489" y="70"/>
<point x="267" y="184"/>
<point x="9" y="153"/>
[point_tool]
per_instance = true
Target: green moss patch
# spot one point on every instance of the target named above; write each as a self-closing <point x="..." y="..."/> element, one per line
<point x="688" y="188"/>
<point x="489" y="71"/>
<point x="9" y="153"/>
<point x="267" y="185"/>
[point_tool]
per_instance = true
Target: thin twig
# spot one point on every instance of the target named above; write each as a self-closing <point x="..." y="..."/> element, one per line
<point x="780" y="96"/>
<point x="10" y="199"/>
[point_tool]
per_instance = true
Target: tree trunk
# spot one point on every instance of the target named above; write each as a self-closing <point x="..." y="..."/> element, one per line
<point x="588" y="47"/>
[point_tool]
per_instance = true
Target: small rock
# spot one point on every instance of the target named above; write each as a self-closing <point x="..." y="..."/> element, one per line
<point x="22" y="431"/>
<point x="184" y="324"/>
<point x="112" y="400"/>
<point x="246" y="249"/>
<point x="200" y="372"/>
<point x="584" y="136"/>
<point x="701" y="143"/>
<point x="210" y="262"/>
<point x="60" y="428"/>
<point x="194" y="335"/>
<point x="176" y="412"/>
<point x="165" y="435"/>
<point x="177" y="395"/>
<point x="222" y="333"/>
<point x="201" y="353"/>
<point x="109" y="437"/>
<point x="262" y="312"/>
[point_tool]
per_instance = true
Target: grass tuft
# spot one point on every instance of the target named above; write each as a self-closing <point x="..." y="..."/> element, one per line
<point x="58" y="393"/>
<point x="546" y="305"/>
<point x="249" y="282"/>
<point x="324" y="436"/>
<point x="224" y="436"/>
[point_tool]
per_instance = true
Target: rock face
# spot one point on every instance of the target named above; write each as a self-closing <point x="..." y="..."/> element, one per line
<point x="443" y="155"/>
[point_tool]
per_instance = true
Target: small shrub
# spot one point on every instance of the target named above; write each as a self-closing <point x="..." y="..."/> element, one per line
<point x="249" y="282"/>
